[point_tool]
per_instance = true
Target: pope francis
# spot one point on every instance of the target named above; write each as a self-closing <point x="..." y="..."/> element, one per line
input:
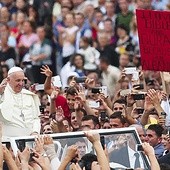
<point x="19" y="108"/>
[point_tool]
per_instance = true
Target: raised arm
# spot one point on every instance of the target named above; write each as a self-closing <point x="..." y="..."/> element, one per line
<point x="47" y="85"/>
<point x="94" y="138"/>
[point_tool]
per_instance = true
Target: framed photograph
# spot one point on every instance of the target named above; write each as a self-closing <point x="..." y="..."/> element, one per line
<point x="120" y="143"/>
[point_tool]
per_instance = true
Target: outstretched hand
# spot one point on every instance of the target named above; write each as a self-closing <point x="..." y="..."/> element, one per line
<point x="46" y="71"/>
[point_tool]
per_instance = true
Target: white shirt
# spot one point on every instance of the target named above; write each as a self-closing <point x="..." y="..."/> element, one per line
<point x="110" y="78"/>
<point x="132" y="158"/>
<point x="91" y="55"/>
<point x="68" y="48"/>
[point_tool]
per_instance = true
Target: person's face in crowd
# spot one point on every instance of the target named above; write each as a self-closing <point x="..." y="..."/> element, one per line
<point x="81" y="147"/>
<point x="77" y="2"/>
<point x="44" y="100"/>
<point x="95" y="166"/>
<point x="16" y="81"/>
<point x="124" y="60"/>
<point x="27" y="27"/>
<point x="106" y="125"/>
<point x="69" y="20"/>
<point x="32" y="12"/>
<point x="125" y="84"/>
<point x="67" y="126"/>
<point x="89" y="10"/>
<point x="4" y="40"/>
<point x="103" y="66"/>
<point x="103" y="39"/>
<point x="79" y="20"/>
<point x="102" y="2"/>
<point x="94" y="76"/>
<point x="66" y="3"/>
<point x="136" y="61"/>
<point x="47" y="129"/>
<point x="98" y="17"/>
<point x="88" y="123"/>
<point x="70" y="101"/>
<point x="166" y="141"/>
<point x="118" y="107"/>
<point x="116" y="123"/>
<point x="4" y="29"/>
<point x="64" y="11"/>
<point x="4" y="14"/>
<point x="41" y="33"/>
<point x="5" y="72"/>
<point x="108" y="27"/>
<point x="20" y="4"/>
<point x="123" y="4"/>
<point x="121" y="33"/>
<point x="144" y="4"/>
<point x="110" y="8"/>
<point x="78" y="62"/>
<point x="20" y="18"/>
<point x="141" y="134"/>
<point x="74" y="122"/>
<point x="152" y="138"/>
<point x="82" y="44"/>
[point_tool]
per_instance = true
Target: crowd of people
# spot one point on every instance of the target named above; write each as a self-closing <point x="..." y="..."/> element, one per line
<point x="93" y="48"/>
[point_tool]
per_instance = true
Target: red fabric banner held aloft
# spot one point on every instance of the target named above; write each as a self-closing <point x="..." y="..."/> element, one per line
<point x="154" y="39"/>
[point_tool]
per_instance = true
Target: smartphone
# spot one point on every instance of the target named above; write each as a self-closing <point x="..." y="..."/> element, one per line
<point x="42" y="109"/>
<point x="21" y="144"/>
<point x="130" y="70"/>
<point x="139" y="148"/>
<point x="140" y="96"/>
<point x="135" y="75"/>
<point x="94" y="104"/>
<point x="80" y="79"/>
<point x="31" y="157"/>
<point x="102" y="140"/>
<point x="95" y="90"/>
<point x="39" y="87"/>
<point x="104" y="90"/>
<point x="103" y="116"/>
<point x="138" y="86"/>
<point x="56" y="81"/>
<point x="140" y="110"/>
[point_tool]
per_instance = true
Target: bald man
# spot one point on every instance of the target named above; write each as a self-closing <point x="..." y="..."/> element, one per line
<point x="141" y="132"/>
<point x="19" y="108"/>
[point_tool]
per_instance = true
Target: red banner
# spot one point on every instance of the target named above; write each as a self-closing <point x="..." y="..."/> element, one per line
<point x="154" y="39"/>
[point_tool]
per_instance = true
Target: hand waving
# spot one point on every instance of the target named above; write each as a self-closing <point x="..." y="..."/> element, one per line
<point x="46" y="71"/>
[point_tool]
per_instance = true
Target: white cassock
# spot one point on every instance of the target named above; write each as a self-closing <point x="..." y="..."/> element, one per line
<point x="19" y="112"/>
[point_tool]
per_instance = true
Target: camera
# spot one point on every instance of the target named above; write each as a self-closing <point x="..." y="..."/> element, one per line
<point x="39" y="87"/>
<point x="80" y="79"/>
<point x="103" y="116"/>
<point x="140" y="96"/>
<point x="42" y="109"/>
<point x="56" y="81"/>
<point x="102" y="89"/>
<point x="94" y="104"/>
<point x="140" y="110"/>
<point x="138" y="86"/>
